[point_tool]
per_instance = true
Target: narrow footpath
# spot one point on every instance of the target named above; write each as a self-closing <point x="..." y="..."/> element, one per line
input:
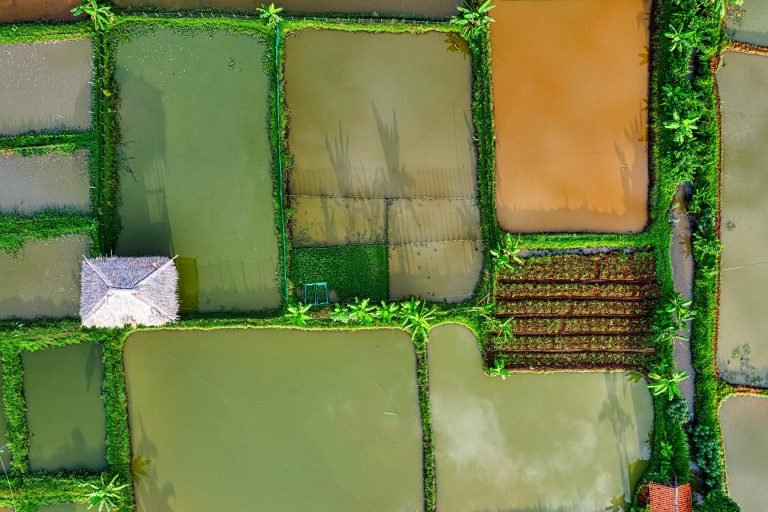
<point x="682" y="272"/>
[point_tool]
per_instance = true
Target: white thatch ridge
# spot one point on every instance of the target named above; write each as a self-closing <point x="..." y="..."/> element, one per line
<point x="117" y="292"/>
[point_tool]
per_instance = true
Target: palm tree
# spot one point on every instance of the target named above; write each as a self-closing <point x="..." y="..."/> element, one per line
<point x="473" y="17"/>
<point x="663" y="383"/>
<point x="270" y="13"/>
<point x="101" y="15"/>
<point x="104" y="495"/>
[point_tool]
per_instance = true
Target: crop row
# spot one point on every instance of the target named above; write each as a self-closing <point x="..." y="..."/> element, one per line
<point x="574" y="290"/>
<point x="614" y="265"/>
<point x="522" y="308"/>
<point x="555" y="342"/>
<point x="574" y="361"/>
<point x="580" y="325"/>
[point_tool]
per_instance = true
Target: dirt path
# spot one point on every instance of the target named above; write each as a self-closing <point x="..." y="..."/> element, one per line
<point x="682" y="272"/>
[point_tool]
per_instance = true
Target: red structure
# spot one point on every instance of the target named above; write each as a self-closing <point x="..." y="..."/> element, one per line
<point x="670" y="498"/>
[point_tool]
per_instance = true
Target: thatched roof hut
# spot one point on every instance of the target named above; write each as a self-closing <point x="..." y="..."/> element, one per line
<point x="128" y="291"/>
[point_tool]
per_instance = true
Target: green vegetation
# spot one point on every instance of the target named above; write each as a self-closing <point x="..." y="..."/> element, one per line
<point x="101" y="15"/>
<point x="684" y="149"/>
<point x="104" y="495"/>
<point x="352" y="271"/>
<point x="474" y="17"/>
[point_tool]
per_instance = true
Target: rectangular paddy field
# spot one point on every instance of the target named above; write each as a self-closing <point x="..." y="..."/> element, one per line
<point x="45" y="86"/>
<point x="569" y="310"/>
<point x="65" y="413"/>
<point x="742" y="341"/>
<point x="53" y="180"/>
<point x="749" y="23"/>
<point x="570" y="85"/>
<point x="590" y="433"/>
<point x="385" y="157"/>
<point x="430" y="8"/>
<point x="43" y="279"/>
<point x="746" y="450"/>
<point x="198" y="176"/>
<point x="274" y="419"/>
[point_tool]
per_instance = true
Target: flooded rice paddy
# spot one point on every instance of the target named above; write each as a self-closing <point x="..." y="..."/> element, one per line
<point x="742" y="340"/>
<point x="301" y="419"/>
<point x="45" y="86"/>
<point x="29" y="10"/>
<point x="43" y="279"/>
<point x="570" y="99"/>
<point x="198" y="182"/>
<point x="432" y="8"/>
<point x="394" y="134"/>
<point x="590" y="432"/>
<point x="54" y="180"/>
<point x="65" y="507"/>
<point x="746" y="450"/>
<point x="62" y="388"/>
<point x="749" y="23"/>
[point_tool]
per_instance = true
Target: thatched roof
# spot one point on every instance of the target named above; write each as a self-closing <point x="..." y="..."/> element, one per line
<point x="128" y="291"/>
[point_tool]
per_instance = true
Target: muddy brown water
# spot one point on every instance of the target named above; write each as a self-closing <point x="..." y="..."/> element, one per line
<point x="289" y="420"/>
<point x="198" y="180"/>
<point x="45" y="86"/>
<point x="43" y="279"/>
<point x="435" y="271"/>
<point x="54" y="180"/>
<point x="28" y="10"/>
<point x="62" y="389"/>
<point x="570" y="82"/>
<point x="563" y="441"/>
<point x="746" y="450"/>
<point x="338" y="221"/>
<point x="742" y="340"/>
<point x="752" y="25"/>
<point x="432" y="8"/>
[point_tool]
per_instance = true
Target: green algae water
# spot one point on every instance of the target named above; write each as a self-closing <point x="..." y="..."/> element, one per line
<point x="43" y="279"/>
<point x="198" y="176"/>
<point x="565" y="441"/>
<point x="746" y="450"/>
<point x="62" y="388"/>
<point x="742" y="346"/>
<point x="274" y="420"/>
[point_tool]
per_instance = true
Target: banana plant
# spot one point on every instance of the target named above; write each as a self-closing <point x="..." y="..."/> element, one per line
<point x="101" y="15"/>
<point x="473" y="17"/>
<point x="682" y="40"/>
<point x="104" y="495"/>
<point x="417" y="318"/>
<point x="387" y="312"/>
<point x="497" y="369"/>
<point x="270" y="14"/>
<point x="663" y="383"/>
<point x="684" y="128"/>
<point x="361" y="312"/>
<point x="297" y="314"/>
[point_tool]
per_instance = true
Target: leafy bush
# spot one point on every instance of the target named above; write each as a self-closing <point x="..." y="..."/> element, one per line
<point x="677" y="411"/>
<point x="708" y="454"/>
<point x="718" y="501"/>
